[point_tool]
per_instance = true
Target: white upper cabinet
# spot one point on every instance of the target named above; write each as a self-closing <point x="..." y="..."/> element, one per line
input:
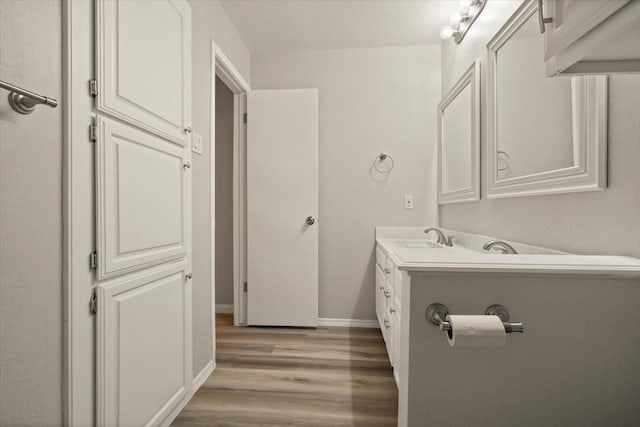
<point x="143" y="65"/>
<point x="591" y="36"/>
<point x="142" y="196"/>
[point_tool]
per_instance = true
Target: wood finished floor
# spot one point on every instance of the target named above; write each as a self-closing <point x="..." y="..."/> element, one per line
<point x="295" y="377"/>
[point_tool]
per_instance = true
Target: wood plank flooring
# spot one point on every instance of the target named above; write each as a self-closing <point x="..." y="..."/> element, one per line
<point x="295" y="377"/>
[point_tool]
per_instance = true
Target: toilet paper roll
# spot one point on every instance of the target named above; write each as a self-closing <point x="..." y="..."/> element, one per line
<point x="476" y="331"/>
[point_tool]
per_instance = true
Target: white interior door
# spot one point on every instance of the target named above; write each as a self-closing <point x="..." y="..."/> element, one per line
<point x="143" y="211"/>
<point x="282" y="192"/>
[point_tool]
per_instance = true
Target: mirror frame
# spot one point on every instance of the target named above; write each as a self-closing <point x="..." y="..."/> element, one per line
<point x="589" y="129"/>
<point x="471" y="78"/>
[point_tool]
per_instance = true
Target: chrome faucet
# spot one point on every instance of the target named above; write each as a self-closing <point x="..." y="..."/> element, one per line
<point x="442" y="238"/>
<point x="503" y="246"/>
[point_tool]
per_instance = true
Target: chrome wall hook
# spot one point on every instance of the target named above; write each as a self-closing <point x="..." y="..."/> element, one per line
<point x="23" y="101"/>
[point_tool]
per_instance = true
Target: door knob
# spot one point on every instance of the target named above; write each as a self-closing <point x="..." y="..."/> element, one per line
<point x="310" y="220"/>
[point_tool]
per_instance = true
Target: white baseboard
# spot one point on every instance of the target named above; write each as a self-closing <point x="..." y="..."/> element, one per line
<point x="348" y="323"/>
<point x="224" y="308"/>
<point x="197" y="383"/>
<point x="203" y="375"/>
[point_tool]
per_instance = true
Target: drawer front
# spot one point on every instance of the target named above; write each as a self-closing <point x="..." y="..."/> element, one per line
<point x="381" y="303"/>
<point x="398" y="277"/>
<point x="388" y="336"/>
<point x="391" y="271"/>
<point x="381" y="258"/>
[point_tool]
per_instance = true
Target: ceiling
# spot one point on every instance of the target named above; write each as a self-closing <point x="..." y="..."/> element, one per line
<point x="279" y="25"/>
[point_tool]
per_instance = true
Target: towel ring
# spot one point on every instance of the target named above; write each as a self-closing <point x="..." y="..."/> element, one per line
<point x="381" y="158"/>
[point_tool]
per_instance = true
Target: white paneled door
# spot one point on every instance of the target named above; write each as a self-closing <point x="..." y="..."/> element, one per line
<point x="143" y="211"/>
<point x="282" y="207"/>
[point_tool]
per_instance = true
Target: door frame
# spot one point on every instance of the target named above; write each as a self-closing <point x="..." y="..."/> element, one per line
<point x="222" y="67"/>
<point x="78" y="228"/>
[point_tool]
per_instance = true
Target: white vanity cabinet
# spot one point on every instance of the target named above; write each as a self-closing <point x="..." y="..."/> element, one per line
<point x="388" y="296"/>
<point x="592" y="36"/>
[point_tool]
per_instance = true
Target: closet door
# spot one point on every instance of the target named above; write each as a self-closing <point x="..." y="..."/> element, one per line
<point x="143" y="211"/>
<point x="143" y="64"/>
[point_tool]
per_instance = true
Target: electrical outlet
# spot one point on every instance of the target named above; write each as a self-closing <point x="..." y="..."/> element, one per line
<point x="197" y="144"/>
<point x="408" y="201"/>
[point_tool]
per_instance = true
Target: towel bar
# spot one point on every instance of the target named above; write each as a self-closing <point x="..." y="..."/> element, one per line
<point x="23" y="101"/>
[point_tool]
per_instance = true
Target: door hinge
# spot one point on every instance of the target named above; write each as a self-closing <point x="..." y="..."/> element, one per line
<point x="245" y="287"/>
<point x="93" y="87"/>
<point x="93" y="302"/>
<point x="93" y="133"/>
<point x="244" y="118"/>
<point x="93" y="260"/>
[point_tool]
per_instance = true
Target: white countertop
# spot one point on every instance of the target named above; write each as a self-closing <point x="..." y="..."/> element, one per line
<point x="463" y="259"/>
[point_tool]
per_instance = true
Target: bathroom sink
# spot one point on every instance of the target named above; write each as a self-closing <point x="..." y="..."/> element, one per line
<point x="417" y="244"/>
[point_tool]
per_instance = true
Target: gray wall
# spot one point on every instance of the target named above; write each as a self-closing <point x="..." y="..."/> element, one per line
<point x="568" y="368"/>
<point x="31" y="219"/>
<point x="370" y="100"/>
<point x="605" y="222"/>
<point x="224" y="194"/>
<point x="209" y="22"/>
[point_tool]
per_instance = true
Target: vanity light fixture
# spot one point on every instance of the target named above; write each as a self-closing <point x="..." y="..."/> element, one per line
<point x="461" y="21"/>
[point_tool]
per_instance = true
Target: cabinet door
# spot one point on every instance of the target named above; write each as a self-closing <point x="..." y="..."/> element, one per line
<point x="142" y="196"/>
<point x="380" y="299"/>
<point x="144" y="342"/>
<point x="143" y="64"/>
<point x="572" y="19"/>
<point x="396" y="343"/>
<point x="388" y="331"/>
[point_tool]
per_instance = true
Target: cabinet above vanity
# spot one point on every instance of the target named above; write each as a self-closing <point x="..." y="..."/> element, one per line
<point x="590" y="37"/>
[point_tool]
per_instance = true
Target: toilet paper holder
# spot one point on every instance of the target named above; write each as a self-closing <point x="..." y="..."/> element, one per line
<point x="437" y="313"/>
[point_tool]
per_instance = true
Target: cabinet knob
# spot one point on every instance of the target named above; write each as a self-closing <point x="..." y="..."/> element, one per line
<point x="387" y="271"/>
<point x="387" y="324"/>
<point x="310" y="220"/>
<point x="188" y="276"/>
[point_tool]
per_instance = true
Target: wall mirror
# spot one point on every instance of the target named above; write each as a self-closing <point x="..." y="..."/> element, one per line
<point x="545" y="135"/>
<point x="459" y="140"/>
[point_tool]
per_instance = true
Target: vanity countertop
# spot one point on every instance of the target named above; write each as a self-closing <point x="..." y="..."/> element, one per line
<point x="414" y="253"/>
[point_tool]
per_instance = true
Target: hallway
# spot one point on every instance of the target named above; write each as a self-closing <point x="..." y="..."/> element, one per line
<point x="295" y="377"/>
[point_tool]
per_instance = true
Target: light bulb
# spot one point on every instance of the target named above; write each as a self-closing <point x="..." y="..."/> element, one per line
<point x="455" y="18"/>
<point x="446" y="32"/>
<point x="465" y="5"/>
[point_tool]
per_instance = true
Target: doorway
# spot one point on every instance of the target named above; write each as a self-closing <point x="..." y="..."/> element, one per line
<point x="231" y="203"/>
<point x="224" y="273"/>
